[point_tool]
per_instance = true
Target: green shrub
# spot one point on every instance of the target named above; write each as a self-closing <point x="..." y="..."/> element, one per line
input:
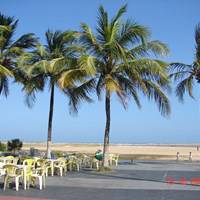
<point x="58" y="154"/>
<point x="3" y="147"/>
<point x="14" y="145"/>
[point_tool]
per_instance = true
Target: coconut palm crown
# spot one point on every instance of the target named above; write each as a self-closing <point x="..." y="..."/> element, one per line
<point x="10" y="49"/>
<point x="56" y="65"/>
<point x="186" y="75"/>
<point x="120" y="51"/>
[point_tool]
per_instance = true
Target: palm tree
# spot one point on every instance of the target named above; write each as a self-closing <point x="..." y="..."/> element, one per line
<point x="187" y="75"/>
<point x="55" y="64"/>
<point x="10" y="49"/>
<point x="120" y="52"/>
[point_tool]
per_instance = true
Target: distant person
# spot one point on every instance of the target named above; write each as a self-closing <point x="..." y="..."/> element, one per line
<point x="190" y="156"/>
<point x="177" y="156"/>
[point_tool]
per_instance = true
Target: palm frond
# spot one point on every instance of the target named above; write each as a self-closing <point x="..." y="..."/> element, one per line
<point x="150" y="68"/>
<point x="56" y="65"/>
<point x="6" y="20"/>
<point x="70" y="77"/>
<point x="132" y="33"/>
<point x="129" y="89"/>
<point x="179" y="67"/>
<point x="87" y="63"/>
<point x="41" y="52"/>
<point x="79" y="93"/>
<point x="30" y="87"/>
<point x="102" y="26"/>
<point x="156" y="94"/>
<point x="155" y="47"/>
<point x="179" y="75"/>
<point x="4" y="86"/>
<point x="5" y="71"/>
<point x="185" y="85"/>
<point x="113" y="31"/>
<point x="112" y="85"/>
<point x="6" y="35"/>
<point x="69" y="36"/>
<point x="25" y="41"/>
<point x="197" y="39"/>
<point x="88" y="40"/>
<point x="120" y="12"/>
<point x="178" y="71"/>
<point x="133" y="74"/>
<point x="49" y="38"/>
<point x="40" y="67"/>
<point x="5" y="28"/>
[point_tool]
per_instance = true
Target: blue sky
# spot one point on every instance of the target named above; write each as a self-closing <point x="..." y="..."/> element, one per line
<point x="170" y="21"/>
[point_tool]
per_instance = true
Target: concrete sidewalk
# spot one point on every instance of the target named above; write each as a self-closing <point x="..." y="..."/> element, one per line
<point x="139" y="181"/>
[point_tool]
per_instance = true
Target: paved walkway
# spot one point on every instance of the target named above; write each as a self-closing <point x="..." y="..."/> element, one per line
<point x="18" y="198"/>
<point x="140" y="181"/>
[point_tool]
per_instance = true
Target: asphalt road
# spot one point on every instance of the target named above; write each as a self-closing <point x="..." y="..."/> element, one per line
<point x="153" y="180"/>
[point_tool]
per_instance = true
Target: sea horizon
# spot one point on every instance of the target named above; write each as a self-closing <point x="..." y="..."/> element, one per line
<point x="112" y="143"/>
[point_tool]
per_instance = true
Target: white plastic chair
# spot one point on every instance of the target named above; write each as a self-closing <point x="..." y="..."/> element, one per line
<point x="40" y="175"/>
<point x="12" y="171"/>
<point x="73" y="163"/>
<point x="60" y="166"/>
<point x="95" y="163"/>
<point x="113" y="159"/>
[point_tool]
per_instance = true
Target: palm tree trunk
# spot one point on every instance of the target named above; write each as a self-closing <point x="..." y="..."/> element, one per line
<point x="107" y="132"/>
<point x="49" y="136"/>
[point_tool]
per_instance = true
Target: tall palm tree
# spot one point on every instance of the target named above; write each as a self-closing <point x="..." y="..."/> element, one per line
<point x="55" y="64"/>
<point x="10" y="49"/>
<point x="187" y="75"/>
<point x="120" y="52"/>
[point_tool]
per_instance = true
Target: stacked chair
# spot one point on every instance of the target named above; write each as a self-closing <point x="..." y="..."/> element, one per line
<point x="60" y="166"/>
<point x="73" y="163"/>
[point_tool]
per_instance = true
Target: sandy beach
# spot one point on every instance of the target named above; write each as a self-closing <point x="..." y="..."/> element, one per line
<point x="157" y="152"/>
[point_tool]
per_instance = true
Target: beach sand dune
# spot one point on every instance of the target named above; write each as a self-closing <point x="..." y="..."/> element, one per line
<point x="140" y="151"/>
